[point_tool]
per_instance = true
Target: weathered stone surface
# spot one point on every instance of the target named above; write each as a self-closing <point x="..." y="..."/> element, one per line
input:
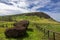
<point x="19" y="29"/>
<point x="24" y="23"/>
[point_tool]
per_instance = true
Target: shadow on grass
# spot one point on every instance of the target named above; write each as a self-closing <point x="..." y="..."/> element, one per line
<point x="29" y="29"/>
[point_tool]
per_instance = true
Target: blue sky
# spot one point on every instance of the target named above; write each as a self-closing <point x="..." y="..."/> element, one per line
<point x="51" y="7"/>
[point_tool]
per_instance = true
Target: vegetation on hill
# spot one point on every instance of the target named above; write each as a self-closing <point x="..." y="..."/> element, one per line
<point x="40" y="18"/>
<point x="39" y="14"/>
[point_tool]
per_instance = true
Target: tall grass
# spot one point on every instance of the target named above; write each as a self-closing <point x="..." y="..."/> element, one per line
<point x="33" y="33"/>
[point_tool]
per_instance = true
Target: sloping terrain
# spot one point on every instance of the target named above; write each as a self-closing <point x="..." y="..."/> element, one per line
<point x="39" y="18"/>
<point x="38" y="14"/>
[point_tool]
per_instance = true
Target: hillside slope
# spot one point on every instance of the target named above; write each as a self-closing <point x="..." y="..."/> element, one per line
<point x="38" y="14"/>
<point x="41" y="19"/>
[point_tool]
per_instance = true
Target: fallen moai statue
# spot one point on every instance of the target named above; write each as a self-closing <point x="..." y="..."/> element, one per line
<point x="19" y="30"/>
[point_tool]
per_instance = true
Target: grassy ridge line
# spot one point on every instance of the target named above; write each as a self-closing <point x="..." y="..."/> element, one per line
<point x="39" y="14"/>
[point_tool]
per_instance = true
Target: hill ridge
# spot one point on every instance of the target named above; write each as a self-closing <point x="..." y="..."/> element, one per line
<point x="39" y="14"/>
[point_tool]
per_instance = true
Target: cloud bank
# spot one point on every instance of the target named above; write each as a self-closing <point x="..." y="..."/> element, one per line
<point x="9" y="7"/>
<point x="21" y="5"/>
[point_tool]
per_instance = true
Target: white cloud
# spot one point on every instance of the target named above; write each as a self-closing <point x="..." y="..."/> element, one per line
<point x="4" y="6"/>
<point x="8" y="9"/>
<point x="21" y="6"/>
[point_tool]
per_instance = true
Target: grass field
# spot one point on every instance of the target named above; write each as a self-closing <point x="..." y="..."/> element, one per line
<point x="32" y="33"/>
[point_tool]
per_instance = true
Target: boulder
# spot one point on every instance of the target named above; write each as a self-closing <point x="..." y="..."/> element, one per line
<point x="18" y="31"/>
<point x="24" y="23"/>
<point x="15" y="32"/>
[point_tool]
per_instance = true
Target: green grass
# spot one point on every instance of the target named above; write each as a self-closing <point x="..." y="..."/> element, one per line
<point x="34" y="34"/>
<point x="49" y="26"/>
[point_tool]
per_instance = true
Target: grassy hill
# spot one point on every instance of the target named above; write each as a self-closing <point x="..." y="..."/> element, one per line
<point x="39" y="18"/>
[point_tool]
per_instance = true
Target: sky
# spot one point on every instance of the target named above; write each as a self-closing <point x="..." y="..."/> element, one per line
<point x="51" y="7"/>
